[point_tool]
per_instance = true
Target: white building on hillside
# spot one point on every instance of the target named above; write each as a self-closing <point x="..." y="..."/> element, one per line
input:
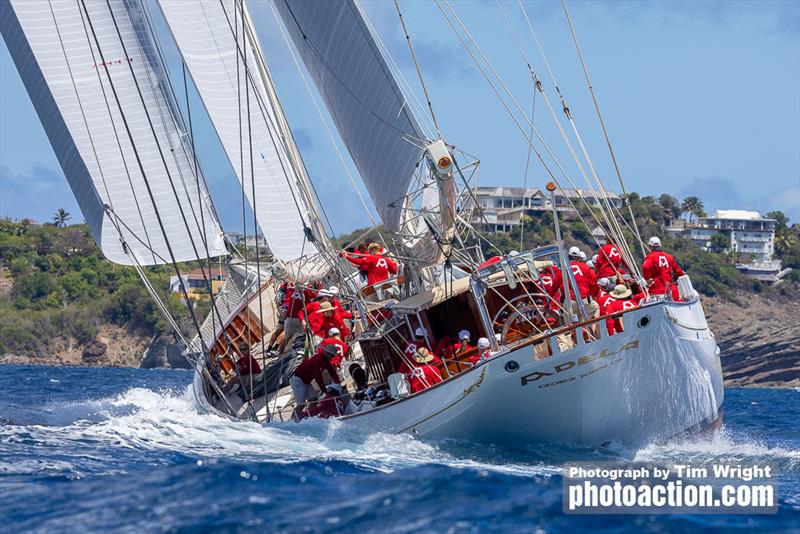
<point x="500" y="209"/>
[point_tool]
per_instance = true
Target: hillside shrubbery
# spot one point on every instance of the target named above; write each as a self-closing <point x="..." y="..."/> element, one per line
<point x="63" y="287"/>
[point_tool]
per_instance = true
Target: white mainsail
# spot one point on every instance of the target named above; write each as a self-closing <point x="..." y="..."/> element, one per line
<point x="217" y="39"/>
<point x="363" y="97"/>
<point x="93" y="75"/>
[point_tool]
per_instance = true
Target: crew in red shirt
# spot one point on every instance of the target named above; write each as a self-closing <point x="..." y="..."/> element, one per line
<point x="424" y="373"/>
<point x="609" y="262"/>
<point x="551" y="282"/>
<point x="660" y="270"/>
<point x="246" y="364"/>
<point x="311" y="370"/>
<point x="325" y="318"/>
<point x="342" y="349"/>
<point x="377" y="266"/>
<point x="585" y="278"/>
<point x="620" y="301"/>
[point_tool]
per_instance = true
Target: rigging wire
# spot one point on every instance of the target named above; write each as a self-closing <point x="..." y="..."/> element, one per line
<point x="602" y="122"/>
<point x="419" y="72"/>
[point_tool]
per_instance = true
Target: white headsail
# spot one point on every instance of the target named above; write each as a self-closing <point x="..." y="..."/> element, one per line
<point x="93" y="74"/>
<point x="217" y="40"/>
<point x="364" y="99"/>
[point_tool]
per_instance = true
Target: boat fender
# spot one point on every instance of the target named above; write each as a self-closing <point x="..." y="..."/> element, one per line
<point x="398" y="385"/>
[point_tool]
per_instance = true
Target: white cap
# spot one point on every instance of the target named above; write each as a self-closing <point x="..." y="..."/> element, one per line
<point x="419" y="332"/>
<point x="498" y="337"/>
<point x="483" y="343"/>
<point x="604" y="282"/>
<point x="574" y="252"/>
<point x="324" y="293"/>
<point x="594" y="258"/>
<point x="590" y="264"/>
<point x="333" y="290"/>
<point x="333" y="332"/>
<point x="654" y="242"/>
<point x="513" y="253"/>
<point x="464" y="335"/>
<point x="583" y="256"/>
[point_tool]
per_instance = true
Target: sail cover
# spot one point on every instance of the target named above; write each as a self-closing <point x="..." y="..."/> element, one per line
<point x="93" y="76"/>
<point x="363" y="97"/>
<point x="215" y="44"/>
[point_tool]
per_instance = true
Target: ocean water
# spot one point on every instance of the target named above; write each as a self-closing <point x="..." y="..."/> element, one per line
<point x="126" y="450"/>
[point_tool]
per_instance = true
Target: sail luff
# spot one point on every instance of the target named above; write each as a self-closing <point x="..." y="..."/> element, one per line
<point x="362" y="96"/>
<point x="69" y="87"/>
<point x="222" y="58"/>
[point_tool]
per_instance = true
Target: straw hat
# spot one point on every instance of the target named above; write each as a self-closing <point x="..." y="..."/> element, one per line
<point x="423" y="355"/>
<point x="325" y="307"/>
<point x="621" y="291"/>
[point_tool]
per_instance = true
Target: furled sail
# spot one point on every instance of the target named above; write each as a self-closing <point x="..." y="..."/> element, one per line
<point x="364" y="99"/>
<point x="216" y="40"/>
<point x="92" y="72"/>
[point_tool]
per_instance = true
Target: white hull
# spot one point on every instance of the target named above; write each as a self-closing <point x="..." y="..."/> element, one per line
<point x="647" y="383"/>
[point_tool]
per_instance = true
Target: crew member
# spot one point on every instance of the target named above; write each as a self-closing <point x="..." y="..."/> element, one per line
<point x="424" y="373"/>
<point x="311" y="371"/>
<point x="246" y="364"/>
<point x="335" y="338"/>
<point x="483" y="352"/>
<point x="620" y="301"/>
<point x="609" y="262"/>
<point x="378" y="267"/>
<point x="327" y="317"/>
<point x="585" y="279"/>
<point x="294" y="301"/>
<point x="551" y="282"/>
<point x="660" y="270"/>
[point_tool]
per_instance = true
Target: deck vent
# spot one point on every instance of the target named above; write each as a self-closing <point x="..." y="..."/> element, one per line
<point x="644" y="321"/>
<point x="511" y="366"/>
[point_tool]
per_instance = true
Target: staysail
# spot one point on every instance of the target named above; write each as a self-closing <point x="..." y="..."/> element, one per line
<point x="365" y="101"/>
<point x="217" y="40"/>
<point x="93" y="75"/>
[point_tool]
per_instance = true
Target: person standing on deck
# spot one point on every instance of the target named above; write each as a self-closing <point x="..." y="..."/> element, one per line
<point x="378" y="267"/>
<point x="335" y="338"/>
<point x="311" y="371"/>
<point x="551" y="282"/>
<point x="295" y="300"/>
<point x="325" y="318"/>
<point x="585" y="279"/>
<point x="609" y="262"/>
<point x="660" y="270"/>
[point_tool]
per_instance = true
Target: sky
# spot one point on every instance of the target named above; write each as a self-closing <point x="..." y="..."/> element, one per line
<point x="699" y="98"/>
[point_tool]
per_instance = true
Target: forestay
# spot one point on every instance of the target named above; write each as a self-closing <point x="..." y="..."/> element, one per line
<point x="216" y="46"/>
<point x="93" y="75"/>
<point x="363" y="97"/>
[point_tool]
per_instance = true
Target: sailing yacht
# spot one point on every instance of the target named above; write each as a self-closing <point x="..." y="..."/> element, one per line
<point x="95" y="73"/>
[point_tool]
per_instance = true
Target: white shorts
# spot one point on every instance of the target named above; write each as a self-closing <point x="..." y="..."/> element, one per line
<point x="302" y="392"/>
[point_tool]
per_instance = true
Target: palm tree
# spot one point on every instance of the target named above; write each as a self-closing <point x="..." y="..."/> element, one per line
<point x="692" y="206"/>
<point x="783" y="243"/>
<point x="61" y="217"/>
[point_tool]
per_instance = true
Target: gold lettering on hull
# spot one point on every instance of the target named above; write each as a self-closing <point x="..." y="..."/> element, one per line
<point x="569" y="364"/>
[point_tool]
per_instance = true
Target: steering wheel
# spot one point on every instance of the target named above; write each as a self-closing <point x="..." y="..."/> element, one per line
<point x="521" y="317"/>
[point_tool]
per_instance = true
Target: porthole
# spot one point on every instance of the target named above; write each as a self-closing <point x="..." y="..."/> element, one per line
<point x="511" y="366"/>
<point x="644" y="321"/>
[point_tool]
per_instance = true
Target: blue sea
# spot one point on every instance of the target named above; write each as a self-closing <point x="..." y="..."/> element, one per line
<point x="126" y="450"/>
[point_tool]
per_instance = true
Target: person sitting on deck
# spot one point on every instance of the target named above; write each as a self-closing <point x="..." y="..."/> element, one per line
<point x="483" y="353"/>
<point x="660" y="270"/>
<point x="620" y="301"/>
<point x="335" y="338"/>
<point x="417" y="343"/>
<point x="463" y="344"/>
<point x="424" y="373"/>
<point x="377" y="266"/>
<point x="311" y="370"/>
<point x="333" y="404"/>
<point x="609" y="262"/>
<point x="246" y="364"/>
